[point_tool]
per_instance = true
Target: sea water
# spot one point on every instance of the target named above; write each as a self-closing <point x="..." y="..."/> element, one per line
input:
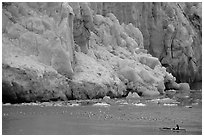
<point x="100" y="116"/>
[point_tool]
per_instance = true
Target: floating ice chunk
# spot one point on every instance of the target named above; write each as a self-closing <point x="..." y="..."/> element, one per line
<point x="170" y="104"/>
<point x="47" y="104"/>
<point x="106" y="98"/>
<point x="121" y="101"/>
<point x="7" y="104"/>
<point x="59" y="105"/>
<point x="124" y="103"/>
<point x="17" y="105"/>
<point x="139" y="104"/>
<point x="154" y="100"/>
<point x="101" y="104"/>
<point x="34" y="104"/>
<point x="188" y="106"/>
<point x="73" y="105"/>
<point x="164" y="101"/>
<point x="30" y="104"/>
<point x="194" y="104"/>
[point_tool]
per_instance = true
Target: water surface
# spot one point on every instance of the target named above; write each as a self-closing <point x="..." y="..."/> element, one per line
<point x="105" y="116"/>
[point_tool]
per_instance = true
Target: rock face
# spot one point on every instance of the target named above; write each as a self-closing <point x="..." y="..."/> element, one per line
<point x="62" y="51"/>
<point x="172" y="32"/>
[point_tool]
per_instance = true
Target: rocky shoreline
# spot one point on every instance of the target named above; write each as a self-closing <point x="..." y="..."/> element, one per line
<point x="66" y="51"/>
